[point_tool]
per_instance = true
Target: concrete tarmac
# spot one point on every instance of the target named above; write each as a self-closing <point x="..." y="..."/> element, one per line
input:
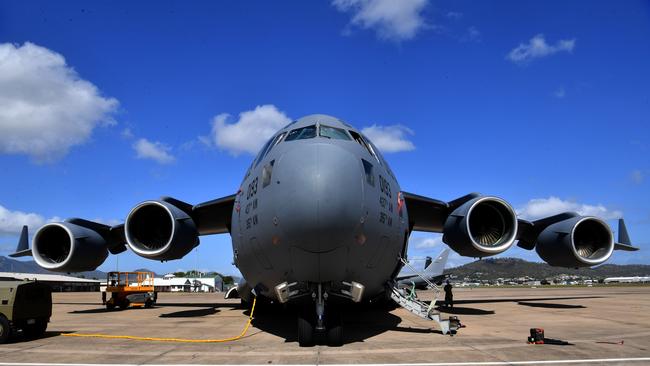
<point x="593" y="319"/>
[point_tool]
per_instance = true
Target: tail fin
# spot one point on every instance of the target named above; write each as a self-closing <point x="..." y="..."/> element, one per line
<point x="437" y="267"/>
<point x="624" y="242"/>
<point x="623" y="236"/>
<point x="22" y="249"/>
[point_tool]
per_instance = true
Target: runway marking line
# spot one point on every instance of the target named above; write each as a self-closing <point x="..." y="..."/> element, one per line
<point x="482" y="363"/>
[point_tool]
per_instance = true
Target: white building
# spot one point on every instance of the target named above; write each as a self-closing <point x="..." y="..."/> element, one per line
<point x="171" y="283"/>
<point x="627" y="279"/>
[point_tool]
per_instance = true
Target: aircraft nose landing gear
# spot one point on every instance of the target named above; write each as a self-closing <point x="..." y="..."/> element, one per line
<point x="327" y="321"/>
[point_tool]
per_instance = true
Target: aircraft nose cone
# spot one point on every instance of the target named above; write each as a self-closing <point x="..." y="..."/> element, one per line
<point x="322" y="199"/>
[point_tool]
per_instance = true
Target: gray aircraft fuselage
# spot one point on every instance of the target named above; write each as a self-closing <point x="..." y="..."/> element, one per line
<point x="319" y="210"/>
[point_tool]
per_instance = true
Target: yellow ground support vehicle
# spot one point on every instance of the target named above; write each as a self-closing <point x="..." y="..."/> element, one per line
<point x="24" y="305"/>
<point x="130" y="289"/>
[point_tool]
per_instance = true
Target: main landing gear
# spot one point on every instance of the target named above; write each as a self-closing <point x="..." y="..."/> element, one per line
<point x="320" y="322"/>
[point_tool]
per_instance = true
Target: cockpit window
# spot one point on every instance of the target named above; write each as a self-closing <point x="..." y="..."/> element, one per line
<point x="333" y="133"/>
<point x="308" y="132"/>
<point x="268" y="146"/>
<point x="277" y="140"/>
<point x="260" y="156"/>
<point x="358" y="138"/>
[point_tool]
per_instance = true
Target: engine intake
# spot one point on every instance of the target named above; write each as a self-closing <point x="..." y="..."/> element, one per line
<point x="576" y="242"/>
<point x="159" y="230"/>
<point x="66" y="247"/>
<point x="481" y="227"/>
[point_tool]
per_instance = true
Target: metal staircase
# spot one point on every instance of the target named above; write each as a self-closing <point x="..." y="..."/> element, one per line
<point x="409" y="301"/>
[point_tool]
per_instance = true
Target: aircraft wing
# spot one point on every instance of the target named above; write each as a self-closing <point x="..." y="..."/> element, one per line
<point x="163" y="229"/>
<point x="212" y="217"/>
<point x="480" y="226"/>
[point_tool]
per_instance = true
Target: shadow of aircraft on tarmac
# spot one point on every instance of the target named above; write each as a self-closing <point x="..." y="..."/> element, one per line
<point x="457" y="310"/>
<point x="190" y="313"/>
<point x="359" y="324"/>
<point x="550" y="305"/>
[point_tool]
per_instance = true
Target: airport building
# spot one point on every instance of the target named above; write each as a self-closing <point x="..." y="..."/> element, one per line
<point x="171" y="283"/>
<point x="58" y="283"/>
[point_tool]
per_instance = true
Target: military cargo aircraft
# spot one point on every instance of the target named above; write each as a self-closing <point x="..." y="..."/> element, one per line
<point x="433" y="272"/>
<point x="320" y="220"/>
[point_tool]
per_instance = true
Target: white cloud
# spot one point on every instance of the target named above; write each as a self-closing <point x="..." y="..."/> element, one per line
<point x="454" y="15"/>
<point x="537" y="48"/>
<point x="392" y="20"/>
<point x="11" y="222"/>
<point x="559" y="93"/>
<point x="426" y="242"/>
<point x="156" y="151"/>
<point x="127" y="133"/>
<point x="45" y="107"/>
<point x="472" y="35"/>
<point x="543" y="207"/>
<point x="249" y="132"/>
<point x="390" y="139"/>
<point x="637" y="176"/>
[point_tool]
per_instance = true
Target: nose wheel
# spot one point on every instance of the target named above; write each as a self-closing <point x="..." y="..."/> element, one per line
<point x="305" y="332"/>
<point x="327" y="323"/>
<point x="332" y="331"/>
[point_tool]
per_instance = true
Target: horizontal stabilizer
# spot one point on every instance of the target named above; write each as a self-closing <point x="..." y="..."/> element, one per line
<point x="22" y="250"/>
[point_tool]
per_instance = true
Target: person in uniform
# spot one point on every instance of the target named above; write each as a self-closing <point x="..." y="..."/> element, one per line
<point x="449" y="296"/>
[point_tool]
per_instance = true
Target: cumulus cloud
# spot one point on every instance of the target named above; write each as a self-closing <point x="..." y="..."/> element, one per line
<point x="11" y="222"/>
<point x="426" y="242"/>
<point x="543" y="207"/>
<point x="637" y="176"/>
<point x="45" y="107"/>
<point x="249" y="132"/>
<point x="559" y="93"/>
<point x="127" y="133"/>
<point x="390" y="19"/>
<point x="390" y="139"/>
<point x="156" y="151"/>
<point x="471" y="35"/>
<point x="454" y="15"/>
<point x="538" y="48"/>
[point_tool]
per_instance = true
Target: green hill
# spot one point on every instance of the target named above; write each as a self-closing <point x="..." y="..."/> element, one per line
<point x="12" y="265"/>
<point x="493" y="268"/>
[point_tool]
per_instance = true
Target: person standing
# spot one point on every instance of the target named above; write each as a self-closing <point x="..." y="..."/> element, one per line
<point x="449" y="296"/>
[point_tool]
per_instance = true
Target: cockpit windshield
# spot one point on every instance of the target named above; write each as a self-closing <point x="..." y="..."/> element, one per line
<point x="333" y="133"/>
<point x="308" y="132"/>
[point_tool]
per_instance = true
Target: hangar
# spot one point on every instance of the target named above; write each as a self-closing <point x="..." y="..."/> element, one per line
<point x="59" y="283"/>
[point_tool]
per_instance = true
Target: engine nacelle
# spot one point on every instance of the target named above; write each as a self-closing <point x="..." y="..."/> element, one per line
<point x="576" y="242"/>
<point x="159" y="230"/>
<point x="66" y="247"/>
<point x="481" y="227"/>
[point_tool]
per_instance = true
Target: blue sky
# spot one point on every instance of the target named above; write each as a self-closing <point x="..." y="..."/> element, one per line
<point x="106" y="104"/>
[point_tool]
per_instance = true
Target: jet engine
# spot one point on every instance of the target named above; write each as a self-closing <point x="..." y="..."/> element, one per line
<point x="159" y="230"/>
<point x="481" y="227"/>
<point x="66" y="247"/>
<point x="576" y="242"/>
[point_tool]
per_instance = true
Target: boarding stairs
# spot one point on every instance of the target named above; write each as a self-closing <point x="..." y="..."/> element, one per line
<point x="407" y="299"/>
